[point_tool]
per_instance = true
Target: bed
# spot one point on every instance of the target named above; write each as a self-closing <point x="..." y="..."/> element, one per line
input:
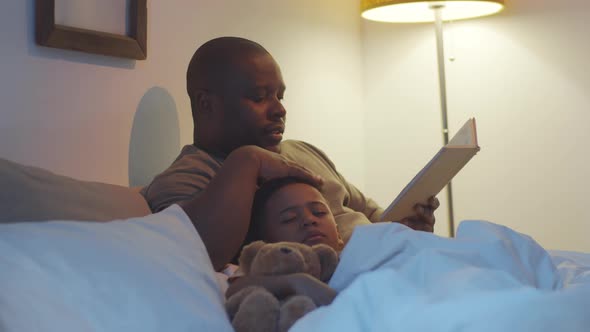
<point x="488" y="278"/>
<point x="64" y="268"/>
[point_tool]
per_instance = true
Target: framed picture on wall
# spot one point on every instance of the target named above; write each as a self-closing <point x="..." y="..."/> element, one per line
<point x="132" y="45"/>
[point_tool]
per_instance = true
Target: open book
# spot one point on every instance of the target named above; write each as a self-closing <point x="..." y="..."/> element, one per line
<point x="439" y="171"/>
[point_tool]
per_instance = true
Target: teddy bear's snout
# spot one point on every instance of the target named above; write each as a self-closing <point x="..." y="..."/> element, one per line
<point x="286" y="250"/>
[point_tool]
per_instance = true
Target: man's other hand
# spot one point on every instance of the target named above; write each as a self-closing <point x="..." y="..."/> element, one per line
<point x="423" y="219"/>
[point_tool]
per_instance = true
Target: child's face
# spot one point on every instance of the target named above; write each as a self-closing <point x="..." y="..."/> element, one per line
<point x="299" y="213"/>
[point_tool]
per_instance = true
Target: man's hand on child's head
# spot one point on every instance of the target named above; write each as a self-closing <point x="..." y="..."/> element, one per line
<point x="423" y="219"/>
<point x="272" y="165"/>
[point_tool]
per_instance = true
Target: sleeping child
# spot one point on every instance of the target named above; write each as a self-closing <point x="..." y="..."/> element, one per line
<point x="289" y="209"/>
<point x="292" y="210"/>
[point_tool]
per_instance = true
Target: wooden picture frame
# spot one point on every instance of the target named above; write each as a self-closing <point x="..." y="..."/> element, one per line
<point x="133" y="45"/>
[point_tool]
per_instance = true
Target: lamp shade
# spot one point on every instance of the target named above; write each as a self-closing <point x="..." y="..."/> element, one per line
<point x="409" y="11"/>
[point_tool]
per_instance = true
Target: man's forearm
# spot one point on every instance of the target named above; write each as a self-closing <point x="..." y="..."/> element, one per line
<point x="221" y="214"/>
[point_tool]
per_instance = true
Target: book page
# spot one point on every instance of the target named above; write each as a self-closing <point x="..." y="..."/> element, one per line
<point x="439" y="171"/>
<point x="467" y="135"/>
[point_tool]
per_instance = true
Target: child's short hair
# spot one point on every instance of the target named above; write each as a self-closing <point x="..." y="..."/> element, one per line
<point x="261" y="197"/>
<point x="263" y="194"/>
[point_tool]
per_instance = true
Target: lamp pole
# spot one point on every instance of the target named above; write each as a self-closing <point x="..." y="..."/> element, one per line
<point x="438" y="23"/>
<point x="421" y="11"/>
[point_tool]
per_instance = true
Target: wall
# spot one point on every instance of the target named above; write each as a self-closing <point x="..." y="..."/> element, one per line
<point x="524" y="75"/>
<point x="87" y="115"/>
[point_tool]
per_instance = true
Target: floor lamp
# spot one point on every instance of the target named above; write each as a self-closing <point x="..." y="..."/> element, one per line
<point x="418" y="11"/>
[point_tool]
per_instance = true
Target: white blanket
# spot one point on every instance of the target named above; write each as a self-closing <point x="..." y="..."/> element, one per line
<point x="488" y="278"/>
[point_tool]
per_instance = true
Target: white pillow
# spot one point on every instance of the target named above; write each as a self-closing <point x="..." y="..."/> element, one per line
<point x="142" y="274"/>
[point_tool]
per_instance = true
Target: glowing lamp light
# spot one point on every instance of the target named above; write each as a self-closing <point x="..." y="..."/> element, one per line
<point x="408" y="11"/>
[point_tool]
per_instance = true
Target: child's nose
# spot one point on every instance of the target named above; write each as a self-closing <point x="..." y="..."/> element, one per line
<point x="309" y="220"/>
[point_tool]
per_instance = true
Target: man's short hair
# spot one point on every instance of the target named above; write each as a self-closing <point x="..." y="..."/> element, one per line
<point x="215" y="61"/>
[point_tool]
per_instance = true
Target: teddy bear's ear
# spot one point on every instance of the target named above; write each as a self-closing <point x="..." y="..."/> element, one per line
<point x="328" y="259"/>
<point x="248" y="254"/>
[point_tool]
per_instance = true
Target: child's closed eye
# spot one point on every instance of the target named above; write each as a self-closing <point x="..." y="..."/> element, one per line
<point x="320" y="213"/>
<point x="288" y="221"/>
<point x="286" y="218"/>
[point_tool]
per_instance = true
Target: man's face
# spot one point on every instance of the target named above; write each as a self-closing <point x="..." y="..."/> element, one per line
<point x="253" y="113"/>
<point x="299" y="213"/>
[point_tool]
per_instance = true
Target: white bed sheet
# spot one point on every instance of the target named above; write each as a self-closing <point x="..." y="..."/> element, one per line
<point x="489" y="278"/>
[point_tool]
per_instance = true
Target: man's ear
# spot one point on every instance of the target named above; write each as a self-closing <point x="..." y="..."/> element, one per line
<point x="203" y="102"/>
<point x="248" y="254"/>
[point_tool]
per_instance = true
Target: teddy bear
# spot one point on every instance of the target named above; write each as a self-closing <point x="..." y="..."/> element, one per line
<point x="254" y="308"/>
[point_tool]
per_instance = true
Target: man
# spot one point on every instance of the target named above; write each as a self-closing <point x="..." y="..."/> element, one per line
<point x="236" y="89"/>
